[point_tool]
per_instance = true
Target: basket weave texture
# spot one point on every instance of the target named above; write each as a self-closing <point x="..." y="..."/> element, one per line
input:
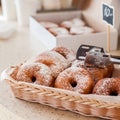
<point x="88" y="105"/>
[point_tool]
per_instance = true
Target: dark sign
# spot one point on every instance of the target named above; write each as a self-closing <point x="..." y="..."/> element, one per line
<point x="108" y="14"/>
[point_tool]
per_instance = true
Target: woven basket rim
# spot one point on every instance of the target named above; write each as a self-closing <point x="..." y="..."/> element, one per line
<point x="10" y="80"/>
<point x="92" y="101"/>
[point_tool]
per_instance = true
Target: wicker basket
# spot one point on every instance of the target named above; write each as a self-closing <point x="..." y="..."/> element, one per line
<point x="89" y="105"/>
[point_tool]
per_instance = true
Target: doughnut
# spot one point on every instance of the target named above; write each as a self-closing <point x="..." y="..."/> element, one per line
<point x="48" y="24"/>
<point x="58" y="31"/>
<point x="76" y="30"/>
<point x="78" y="63"/>
<point x="107" y="86"/>
<point x="66" y="53"/>
<point x="75" y="79"/>
<point x="96" y="72"/>
<point x="110" y="69"/>
<point x="35" y="73"/>
<point x="53" y="60"/>
<point x="97" y="59"/>
<point x="98" y="66"/>
<point x="66" y="24"/>
<point x="78" y="22"/>
<point x="73" y="22"/>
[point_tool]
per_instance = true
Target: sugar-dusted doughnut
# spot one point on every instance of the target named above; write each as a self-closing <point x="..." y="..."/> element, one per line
<point x="48" y="24"/>
<point x="107" y="86"/>
<point x="72" y="23"/>
<point x="56" y="62"/>
<point x="78" y="63"/>
<point x="35" y="73"/>
<point x="75" y="79"/>
<point x="96" y="72"/>
<point x="66" y="53"/>
<point x="76" y="30"/>
<point x="59" y="31"/>
<point x="99" y="67"/>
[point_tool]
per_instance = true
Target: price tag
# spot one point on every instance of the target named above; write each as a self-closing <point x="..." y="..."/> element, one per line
<point x="108" y="17"/>
<point x="108" y="14"/>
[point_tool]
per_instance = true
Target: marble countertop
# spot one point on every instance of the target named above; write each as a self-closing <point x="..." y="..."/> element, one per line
<point x="21" y="46"/>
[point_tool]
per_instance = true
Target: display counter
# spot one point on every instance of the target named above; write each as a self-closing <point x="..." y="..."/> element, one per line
<point x="21" y="46"/>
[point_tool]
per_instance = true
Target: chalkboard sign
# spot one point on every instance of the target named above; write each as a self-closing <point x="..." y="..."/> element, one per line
<point x="108" y="14"/>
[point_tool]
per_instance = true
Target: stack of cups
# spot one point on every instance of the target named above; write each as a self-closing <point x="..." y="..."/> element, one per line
<point x="56" y="4"/>
<point x="51" y="4"/>
<point x="9" y="9"/>
<point x="66" y="4"/>
<point x="26" y="8"/>
<point x="23" y="9"/>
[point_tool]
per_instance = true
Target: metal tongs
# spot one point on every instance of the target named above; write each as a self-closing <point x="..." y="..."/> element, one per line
<point x="94" y="56"/>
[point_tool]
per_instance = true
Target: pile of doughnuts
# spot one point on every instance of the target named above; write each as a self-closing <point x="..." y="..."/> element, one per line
<point x="59" y="68"/>
<point x="74" y="26"/>
<point x="44" y="68"/>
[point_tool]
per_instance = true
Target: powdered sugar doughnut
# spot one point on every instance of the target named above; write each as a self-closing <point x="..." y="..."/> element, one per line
<point x="97" y="73"/>
<point x="80" y="30"/>
<point x="78" y="63"/>
<point x="48" y="24"/>
<point x="35" y="73"/>
<point x="107" y="86"/>
<point x="75" y="79"/>
<point x="58" y="31"/>
<point x="78" y="22"/>
<point x="67" y="53"/>
<point x="53" y="60"/>
<point x="72" y="23"/>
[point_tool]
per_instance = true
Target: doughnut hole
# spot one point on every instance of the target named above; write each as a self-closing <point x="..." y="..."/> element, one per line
<point x="73" y="83"/>
<point x="33" y="78"/>
<point x="114" y="93"/>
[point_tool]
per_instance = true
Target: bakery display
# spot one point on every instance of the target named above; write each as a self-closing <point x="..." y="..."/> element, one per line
<point x="59" y="68"/>
<point x="55" y="78"/>
<point x="74" y="26"/>
<point x="45" y="67"/>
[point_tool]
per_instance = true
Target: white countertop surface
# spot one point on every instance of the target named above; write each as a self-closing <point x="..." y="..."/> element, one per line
<point x="21" y="46"/>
